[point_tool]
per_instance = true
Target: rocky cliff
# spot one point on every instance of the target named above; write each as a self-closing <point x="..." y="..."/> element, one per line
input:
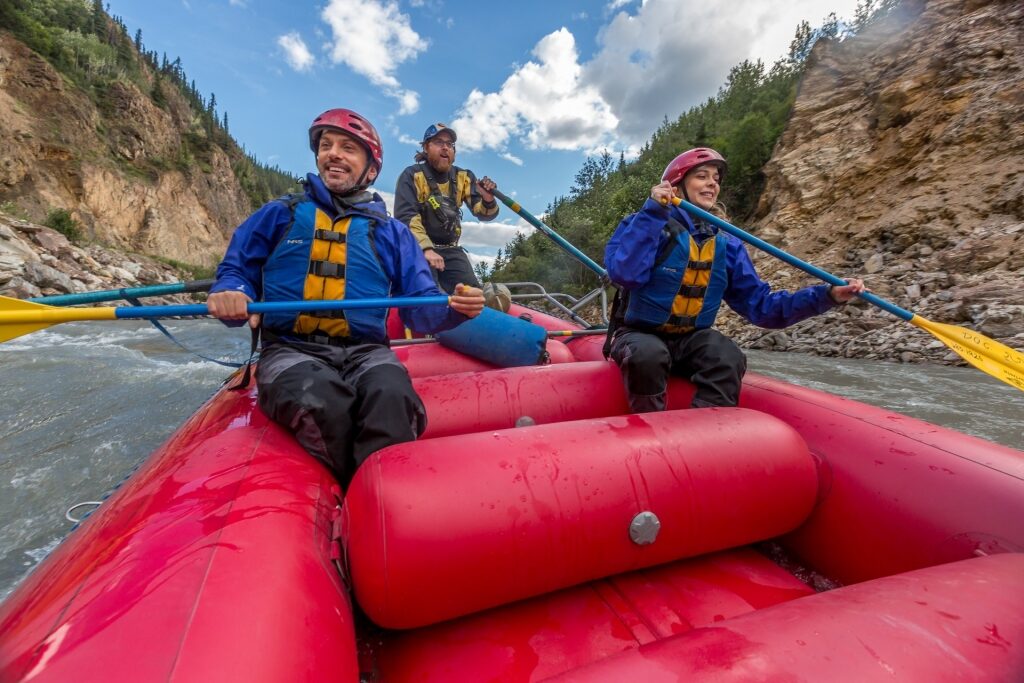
<point x="36" y="261"/>
<point x="903" y="164"/>
<point x="119" y="163"/>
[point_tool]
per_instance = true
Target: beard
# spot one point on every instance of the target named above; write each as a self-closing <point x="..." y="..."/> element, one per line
<point x="343" y="186"/>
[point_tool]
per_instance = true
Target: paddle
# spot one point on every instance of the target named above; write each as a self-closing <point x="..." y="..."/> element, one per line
<point x="124" y="293"/>
<point x="988" y="355"/>
<point x="18" y="317"/>
<point x="558" y="239"/>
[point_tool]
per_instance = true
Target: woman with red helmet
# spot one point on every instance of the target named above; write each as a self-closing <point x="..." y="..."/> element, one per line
<point x="662" y="319"/>
<point x="331" y="378"/>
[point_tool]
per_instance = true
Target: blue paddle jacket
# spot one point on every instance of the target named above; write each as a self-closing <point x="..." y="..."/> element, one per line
<point x="403" y="268"/>
<point x="630" y="260"/>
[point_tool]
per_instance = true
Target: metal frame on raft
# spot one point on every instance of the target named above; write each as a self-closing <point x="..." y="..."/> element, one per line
<point x="574" y="304"/>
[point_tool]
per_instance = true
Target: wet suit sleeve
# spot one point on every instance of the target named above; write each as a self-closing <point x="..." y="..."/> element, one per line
<point x="250" y="246"/>
<point x="485" y="211"/>
<point x="408" y="207"/>
<point x="631" y="251"/>
<point x="753" y="298"/>
<point x="406" y="267"/>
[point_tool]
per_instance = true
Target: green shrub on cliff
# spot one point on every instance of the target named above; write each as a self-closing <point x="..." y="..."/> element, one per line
<point x="62" y="221"/>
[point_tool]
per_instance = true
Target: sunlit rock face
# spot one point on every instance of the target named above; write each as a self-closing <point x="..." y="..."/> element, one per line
<point x="120" y="164"/>
<point x="903" y="164"/>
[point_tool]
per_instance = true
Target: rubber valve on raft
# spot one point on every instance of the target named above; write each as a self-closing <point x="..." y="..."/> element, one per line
<point x="644" y="528"/>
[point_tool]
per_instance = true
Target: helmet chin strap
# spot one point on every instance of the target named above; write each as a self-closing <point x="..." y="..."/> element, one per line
<point x="361" y="184"/>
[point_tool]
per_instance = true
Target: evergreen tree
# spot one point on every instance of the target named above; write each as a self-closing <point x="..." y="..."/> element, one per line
<point x="99" y="20"/>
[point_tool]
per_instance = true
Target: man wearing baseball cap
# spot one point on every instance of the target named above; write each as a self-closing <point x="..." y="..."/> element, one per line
<point x="429" y="197"/>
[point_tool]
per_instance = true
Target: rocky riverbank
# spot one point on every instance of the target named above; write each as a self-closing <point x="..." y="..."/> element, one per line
<point x="38" y="261"/>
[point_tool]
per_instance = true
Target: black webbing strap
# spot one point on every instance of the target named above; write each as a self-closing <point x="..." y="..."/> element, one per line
<point x="692" y="291"/>
<point x="682" y="320"/>
<point x="313" y="338"/>
<point x="327" y="269"/>
<point x="614" y="319"/>
<point x="329" y="235"/>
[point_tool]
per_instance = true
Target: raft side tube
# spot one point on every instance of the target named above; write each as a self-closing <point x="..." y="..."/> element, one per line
<point x="961" y="621"/>
<point x="212" y="562"/>
<point x="551" y="634"/>
<point x="444" y="527"/>
<point x="466" y="403"/>
<point x="940" y="495"/>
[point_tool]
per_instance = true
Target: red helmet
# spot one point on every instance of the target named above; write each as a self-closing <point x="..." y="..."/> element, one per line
<point x="352" y="123"/>
<point x="689" y="160"/>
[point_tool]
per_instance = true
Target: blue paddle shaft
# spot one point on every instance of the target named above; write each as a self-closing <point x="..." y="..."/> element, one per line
<point x="558" y="239"/>
<point x="789" y="258"/>
<point x="124" y="293"/>
<point x="145" y="312"/>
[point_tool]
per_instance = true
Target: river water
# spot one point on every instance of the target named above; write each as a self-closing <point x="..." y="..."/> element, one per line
<point x="83" y="404"/>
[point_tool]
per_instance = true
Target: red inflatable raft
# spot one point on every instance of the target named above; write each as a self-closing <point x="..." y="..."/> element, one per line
<point x="591" y="545"/>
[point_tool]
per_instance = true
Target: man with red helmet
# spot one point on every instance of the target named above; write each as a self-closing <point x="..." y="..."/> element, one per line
<point x="663" y="316"/>
<point x="428" y="198"/>
<point x="330" y="377"/>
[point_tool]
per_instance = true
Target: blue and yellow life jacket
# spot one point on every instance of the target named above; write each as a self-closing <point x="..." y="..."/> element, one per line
<point x="685" y="289"/>
<point x="323" y="258"/>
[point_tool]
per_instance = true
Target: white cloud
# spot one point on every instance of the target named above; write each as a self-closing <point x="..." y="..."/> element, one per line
<point x="494" y="234"/>
<point x="409" y="101"/>
<point x="475" y="258"/>
<point x="654" y="60"/>
<point x="296" y="53"/>
<point x="373" y="38"/>
<point x="511" y="157"/>
<point x="544" y="102"/>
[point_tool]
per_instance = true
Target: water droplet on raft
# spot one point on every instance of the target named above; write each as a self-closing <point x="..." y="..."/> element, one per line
<point x="525" y="421"/>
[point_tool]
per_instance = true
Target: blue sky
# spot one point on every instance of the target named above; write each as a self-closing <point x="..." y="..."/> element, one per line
<point x="531" y="87"/>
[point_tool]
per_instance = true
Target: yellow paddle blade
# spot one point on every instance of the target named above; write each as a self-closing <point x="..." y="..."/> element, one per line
<point x="19" y="317"/>
<point x="988" y="355"/>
